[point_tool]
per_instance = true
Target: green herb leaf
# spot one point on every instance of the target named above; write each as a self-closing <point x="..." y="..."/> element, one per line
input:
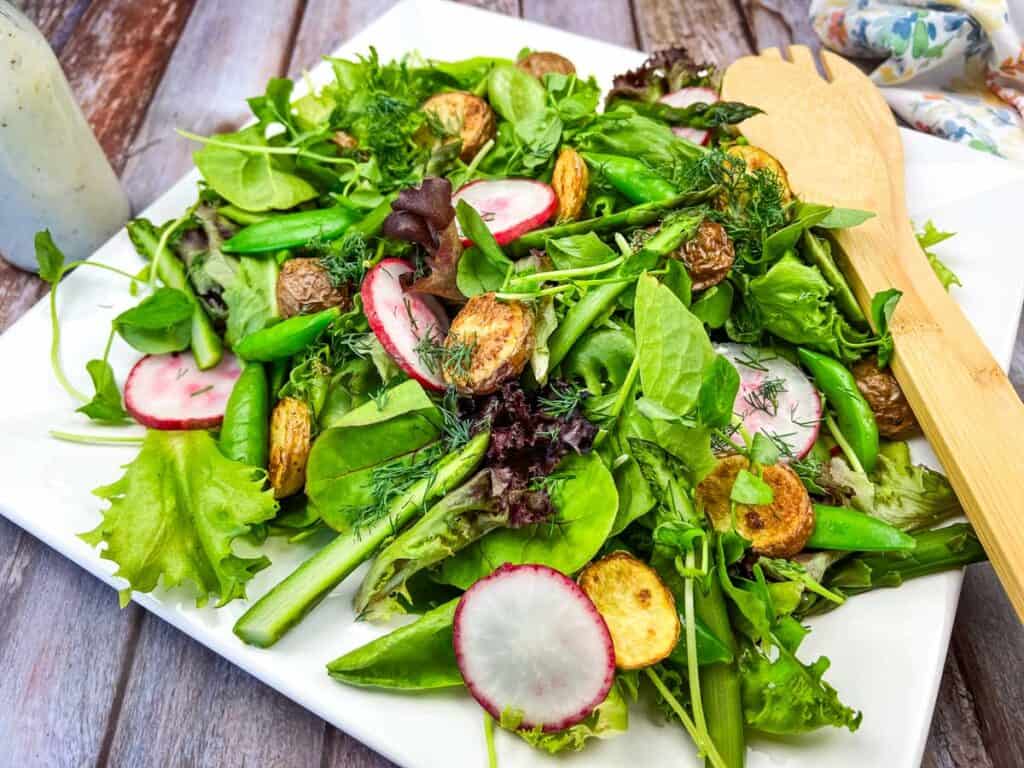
<point x="751" y="489"/>
<point x="160" y="323"/>
<point x="49" y="257"/>
<point x="175" y="513"/>
<point x="764" y="450"/>
<point x="718" y="393"/>
<point x="844" y="218"/>
<point x="514" y="94"/>
<point x="577" y="251"/>
<point x="105" y="406"/>
<point x="714" y="305"/>
<point x="926" y="239"/>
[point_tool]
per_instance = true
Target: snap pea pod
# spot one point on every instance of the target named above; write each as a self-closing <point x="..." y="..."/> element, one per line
<point x="637" y="216"/>
<point x="847" y="530"/>
<point x="207" y="346"/>
<point x="370" y="224"/>
<point x="855" y="417"/>
<point x="600" y="298"/>
<point x="245" y="432"/>
<point x="818" y="251"/>
<point x="242" y="216"/>
<point x="632" y="178"/>
<point x="287" y="338"/>
<point x="290" y="600"/>
<point x="293" y="229"/>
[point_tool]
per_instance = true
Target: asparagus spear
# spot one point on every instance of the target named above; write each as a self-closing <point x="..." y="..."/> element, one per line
<point x="287" y="603"/>
<point x="637" y="216"/>
<point x="206" y="344"/>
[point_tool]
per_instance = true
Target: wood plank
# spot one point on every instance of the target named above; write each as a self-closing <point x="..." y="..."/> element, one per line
<point x="508" y="7"/>
<point x="778" y="22"/>
<point x="221" y="59"/>
<point x="607" y="20"/>
<point x="56" y="19"/>
<point x="341" y="751"/>
<point x="62" y="641"/>
<point x="711" y="30"/>
<point x="185" y="705"/>
<point x="326" y="24"/>
<point x="127" y="43"/>
<point x="954" y="740"/>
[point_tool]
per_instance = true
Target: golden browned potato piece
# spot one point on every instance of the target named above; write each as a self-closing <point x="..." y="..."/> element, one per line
<point x="304" y="287"/>
<point x="464" y="115"/>
<point x="708" y="256"/>
<point x="636" y="605"/>
<point x="489" y="342"/>
<point x="570" y="180"/>
<point x="755" y="158"/>
<point x="892" y="411"/>
<point x="540" y="63"/>
<point x="779" y="529"/>
<point x="290" y="429"/>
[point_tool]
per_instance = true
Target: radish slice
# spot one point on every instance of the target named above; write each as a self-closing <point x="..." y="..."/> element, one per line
<point x="509" y="207"/>
<point x="401" y="319"/>
<point x="171" y="392"/>
<point x="775" y="398"/>
<point x="684" y="97"/>
<point x="528" y="639"/>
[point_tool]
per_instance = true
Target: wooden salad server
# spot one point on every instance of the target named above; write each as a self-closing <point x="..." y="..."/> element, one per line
<point x="840" y="145"/>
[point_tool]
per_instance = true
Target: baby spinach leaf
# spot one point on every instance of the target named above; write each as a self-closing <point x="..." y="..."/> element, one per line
<point x="105" y="406"/>
<point x="407" y="397"/>
<point x="883" y="304"/>
<point x="577" y="251"/>
<point x="764" y="450"/>
<point x="750" y="489"/>
<point x="49" y="257"/>
<point x="275" y="105"/>
<point x="162" y="322"/>
<point x="483" y="267"/>
<point x="514" y="94"/>
<point x="678" y="281"/>
<point x="844" y="218"/>
<point x="539" y="134"/>
<point x="175" y="513"/>
<point x="714" y="305"/>
<point x="585" y="508"/>
<point x="419" y="656"/>
<point x="672" y="347"/>
<point x="251" y="178"/>
<point x="717" y="393"/>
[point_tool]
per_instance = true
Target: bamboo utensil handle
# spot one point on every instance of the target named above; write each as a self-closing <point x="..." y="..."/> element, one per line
<point x="966" y="405"/>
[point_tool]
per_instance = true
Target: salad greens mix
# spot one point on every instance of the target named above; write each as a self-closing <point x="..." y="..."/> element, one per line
<point x="464" y="314"/>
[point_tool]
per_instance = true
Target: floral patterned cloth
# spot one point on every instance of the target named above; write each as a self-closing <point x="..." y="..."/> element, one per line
<point x="954" y="69"/>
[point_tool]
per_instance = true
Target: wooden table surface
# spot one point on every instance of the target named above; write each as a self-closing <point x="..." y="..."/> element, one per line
<point x="85" y="683"/>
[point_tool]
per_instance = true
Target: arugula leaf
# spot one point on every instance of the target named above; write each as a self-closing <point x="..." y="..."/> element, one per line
<point x="175" y="513"/>
<point x="785" y="696"/>
<point x="751" y="489"/>
<point x="932" y="236"/>
<point x="248" y="176"/>
<point x="160" y="323"/>
<point x="673" y="349"/>
<point x="105" y="406"/>
<point x="49" y="257"/>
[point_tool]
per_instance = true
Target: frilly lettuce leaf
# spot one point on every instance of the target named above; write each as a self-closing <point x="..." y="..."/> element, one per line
<point x="932" y="236"/>
<point x="609" y="719"/>
<point x="175" y="513"/>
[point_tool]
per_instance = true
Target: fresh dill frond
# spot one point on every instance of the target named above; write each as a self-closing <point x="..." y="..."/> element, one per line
<point x="453" y="356"/>
<point x="456" y="430"/>
<point x="562" y="399"/>
<point x="344" y="260"/>
<point x="765" y="396"/>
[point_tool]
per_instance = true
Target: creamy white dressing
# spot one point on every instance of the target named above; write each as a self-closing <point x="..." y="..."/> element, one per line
<point x="53" y="173"/>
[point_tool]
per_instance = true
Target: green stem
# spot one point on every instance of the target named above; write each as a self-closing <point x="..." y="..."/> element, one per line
<point x="256" y="149"/>
<point x="693" y="668"/>
<point x="514" y="296"/>
<point x="704" y="745"/>
<point x="71" y="437"/>
<point x="845" y="446"/>
<point x="560" y="274"/>
<point x="161" y="245"/>
<point x="492" y="753"/>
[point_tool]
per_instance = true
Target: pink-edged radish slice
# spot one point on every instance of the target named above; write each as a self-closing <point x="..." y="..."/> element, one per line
<point x="685" y="97"/>
<point x="171" y="392"/>
<point x="509" y="207"/>
<point x="775" y="397"/>
<point x="528" y="639"/>
<point x="401" y="319"/>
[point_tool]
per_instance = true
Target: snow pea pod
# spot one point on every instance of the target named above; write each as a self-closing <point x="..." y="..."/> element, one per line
<point x="855" y="417"/>
<point x="849" y="530"/>
<point x="286" y="338"/>
<point x="293" y="229"/>
<point x="245" y="432"/>
<point x="635" y="180"/>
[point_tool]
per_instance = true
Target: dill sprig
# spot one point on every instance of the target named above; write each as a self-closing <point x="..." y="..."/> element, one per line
<point x="564" y="398"/>
<point x="344" y="260"/>
<point x="453" y="357"/>
<point x="765" y="396"/>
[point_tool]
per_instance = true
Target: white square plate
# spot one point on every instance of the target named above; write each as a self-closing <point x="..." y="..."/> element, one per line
<point x="887" y="648"/>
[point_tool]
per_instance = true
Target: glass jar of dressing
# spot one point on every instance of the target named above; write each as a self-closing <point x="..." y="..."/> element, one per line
<point x="53" y="173"/>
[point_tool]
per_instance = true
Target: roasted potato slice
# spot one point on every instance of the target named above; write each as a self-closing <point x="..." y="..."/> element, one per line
<point x="570" y="180"/>
<point x="290" y="431"/>
<point x="304" y="287"/>
<point x="540" y="63"/>
<point x="779" y="529"/>
<point x="708" y="256"/>
<point x="464" y="115"/>
<point x="756" y="158"/>
<point x="893" y="415"/>
<point x="488" y="343"/>
<point x="636" y="605"/>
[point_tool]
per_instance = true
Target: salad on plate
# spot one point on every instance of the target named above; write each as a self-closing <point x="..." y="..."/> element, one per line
<point x="577" y="377"/>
